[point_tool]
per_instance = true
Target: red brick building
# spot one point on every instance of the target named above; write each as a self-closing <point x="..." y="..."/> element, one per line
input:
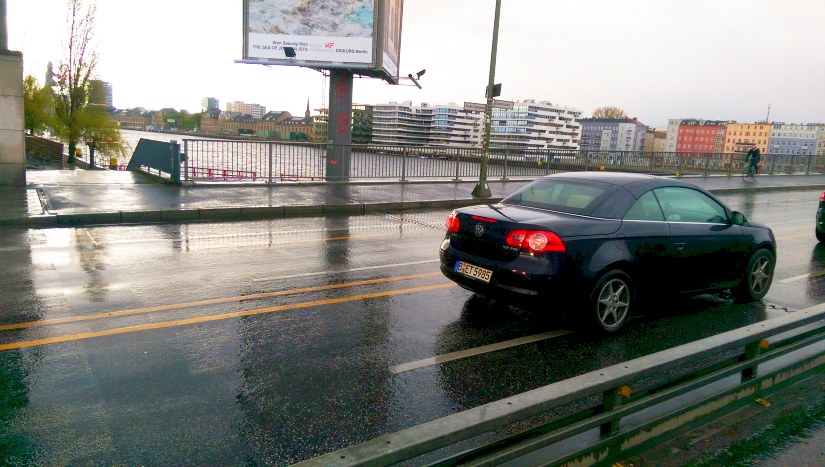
<point x="704" y="136"/>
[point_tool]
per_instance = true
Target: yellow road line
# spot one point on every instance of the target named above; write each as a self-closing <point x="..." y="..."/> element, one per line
<point x="240" y="298"/>
<point x="223" y="316"/>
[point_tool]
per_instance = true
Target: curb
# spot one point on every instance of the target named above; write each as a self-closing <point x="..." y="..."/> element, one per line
<point x="227" y="214"/>
<point x="230" y="214"/>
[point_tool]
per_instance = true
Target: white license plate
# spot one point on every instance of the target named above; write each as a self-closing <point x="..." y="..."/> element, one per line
<point x="475" y="272"/>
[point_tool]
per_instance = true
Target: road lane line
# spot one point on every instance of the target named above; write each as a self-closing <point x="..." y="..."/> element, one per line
<point x="213" y="301"/>
<point x="220" y="317"/>
<point x="788" y="237"/>
<point x="476" y="351"/>
<point x="326" y="273"/>
<point x="802" y="276"/>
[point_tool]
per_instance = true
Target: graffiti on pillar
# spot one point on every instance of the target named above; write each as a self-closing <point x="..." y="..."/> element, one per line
<point x="342" y="121"/>
<point x="341" y="90"/>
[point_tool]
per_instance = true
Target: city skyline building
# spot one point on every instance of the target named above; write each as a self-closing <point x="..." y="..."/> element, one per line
<point x="209" y="103"/>
<point x="404" y="124"/>
<point x="256" y="110"/>
<point x="535" y="125"/>
<point x="793" y="138"/>
<point x="740" y="136"/>
<point x="612" y="134"/>
<point x="705" y="136"/>
<point x="104" y="91"/>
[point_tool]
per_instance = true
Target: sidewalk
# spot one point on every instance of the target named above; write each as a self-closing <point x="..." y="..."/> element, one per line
<point x="58" y="198"/>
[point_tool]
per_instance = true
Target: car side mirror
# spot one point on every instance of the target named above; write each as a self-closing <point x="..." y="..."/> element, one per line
<point x="737" y="218"/>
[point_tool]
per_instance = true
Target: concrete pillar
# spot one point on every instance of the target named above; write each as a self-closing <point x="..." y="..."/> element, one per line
<point x="339" y="132"/>
<point x="12" y="141"/>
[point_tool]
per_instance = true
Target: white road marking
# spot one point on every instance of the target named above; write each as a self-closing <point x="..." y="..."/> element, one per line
<point x="476" y="351"/>
<point x="801" y="277"/>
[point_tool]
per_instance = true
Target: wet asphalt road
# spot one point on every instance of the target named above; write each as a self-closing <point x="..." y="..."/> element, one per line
<point x="275" y="341"/>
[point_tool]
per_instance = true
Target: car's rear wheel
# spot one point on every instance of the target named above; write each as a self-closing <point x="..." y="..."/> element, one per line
<point x="610" y="301"/>
<point x="820" y="236"/>
<point x="758" y="278"/>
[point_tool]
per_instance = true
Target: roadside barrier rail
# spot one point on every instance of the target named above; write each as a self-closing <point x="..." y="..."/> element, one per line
<point x="308" y="161"/>
<point x="231" y="160"/>
<point x="627" y="407"/>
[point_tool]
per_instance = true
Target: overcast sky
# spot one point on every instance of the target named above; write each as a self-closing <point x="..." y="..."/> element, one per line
<point x="656" y="59"/>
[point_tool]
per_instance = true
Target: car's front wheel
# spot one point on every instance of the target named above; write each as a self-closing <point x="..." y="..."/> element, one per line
<point x="820" y="236"/>
<point x="758" y="278"/>
<point x="610" y="301"/>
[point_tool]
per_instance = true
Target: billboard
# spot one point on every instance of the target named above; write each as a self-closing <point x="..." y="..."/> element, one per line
<point x="361" y="35"/>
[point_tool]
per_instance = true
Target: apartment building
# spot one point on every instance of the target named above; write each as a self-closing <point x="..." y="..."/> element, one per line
<point x="403" y="124"/>
<point x="535" y="125"/>
<point x="256" y="110"/>
<point x="740" y="136"/>
<point x="612" y="134"/>
<point x="672" y="134"/>
<point x="792" y="138"/>
<point x="704" y="136"/>
<point x="820" y="140"/>
<point x="209" y="103"/>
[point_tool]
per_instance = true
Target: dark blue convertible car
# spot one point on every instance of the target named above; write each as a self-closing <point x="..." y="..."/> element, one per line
<point x="605" y="240"/>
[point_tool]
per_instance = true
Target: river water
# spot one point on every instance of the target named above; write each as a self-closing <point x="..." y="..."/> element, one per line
<point x="224" y="159"/>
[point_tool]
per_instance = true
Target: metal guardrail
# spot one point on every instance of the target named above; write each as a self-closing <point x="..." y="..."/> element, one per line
<point x="276" y="161"/>
<point x="633" y="409"/>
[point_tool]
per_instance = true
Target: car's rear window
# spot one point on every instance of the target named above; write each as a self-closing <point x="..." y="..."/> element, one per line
<point x="573" y="196"/>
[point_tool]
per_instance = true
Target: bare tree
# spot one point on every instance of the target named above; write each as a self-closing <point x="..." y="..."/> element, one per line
<point x="609" y="112"/>
<point x="78" y="117"/>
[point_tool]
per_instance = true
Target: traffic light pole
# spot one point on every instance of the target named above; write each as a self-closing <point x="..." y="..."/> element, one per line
<point x="482" y="190"/>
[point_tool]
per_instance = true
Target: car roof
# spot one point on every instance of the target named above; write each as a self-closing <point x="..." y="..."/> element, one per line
<point x="635" y="183"/>
<point x="613" y="178"/>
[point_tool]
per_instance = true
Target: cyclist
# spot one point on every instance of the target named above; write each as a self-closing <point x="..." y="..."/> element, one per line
<point x="754" y="156"/>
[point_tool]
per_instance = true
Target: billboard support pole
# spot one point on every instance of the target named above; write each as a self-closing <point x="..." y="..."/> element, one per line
<point x="482" y="190"/>
<point x="339" y="128"/>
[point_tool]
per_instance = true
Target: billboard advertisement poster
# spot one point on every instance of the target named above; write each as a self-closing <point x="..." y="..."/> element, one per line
<point x="319" y="32"/>
<point x="391" y="35"/>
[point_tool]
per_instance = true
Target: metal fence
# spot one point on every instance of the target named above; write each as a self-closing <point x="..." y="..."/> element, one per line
<point x="220" y="160"/>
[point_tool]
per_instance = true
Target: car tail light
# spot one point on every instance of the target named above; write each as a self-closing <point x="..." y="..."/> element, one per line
<point x="537" y="241"/>
<point x="452" y="222"/>
<point x="822" y="196"/>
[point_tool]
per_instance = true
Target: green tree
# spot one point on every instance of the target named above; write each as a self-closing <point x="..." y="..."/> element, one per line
<point x="609" y="112"/>
<point x="37" y="106"/>
<point x="79" y="117"/>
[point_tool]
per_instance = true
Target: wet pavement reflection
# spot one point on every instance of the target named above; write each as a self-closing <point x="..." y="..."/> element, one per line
<point x="274" y="341"/>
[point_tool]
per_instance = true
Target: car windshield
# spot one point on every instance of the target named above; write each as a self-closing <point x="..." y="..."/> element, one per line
<point x="573" y="196"/>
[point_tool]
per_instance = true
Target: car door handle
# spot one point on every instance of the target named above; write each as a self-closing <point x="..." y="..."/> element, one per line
<point x="679" y="245"/>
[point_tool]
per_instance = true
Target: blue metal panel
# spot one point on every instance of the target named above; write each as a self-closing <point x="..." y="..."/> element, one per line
<point x="157" y="155"/>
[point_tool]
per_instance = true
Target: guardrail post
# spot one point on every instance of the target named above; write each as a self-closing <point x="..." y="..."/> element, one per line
<point x="810" y="161"/>
<point x="504" y="174"/>
<point x="404" y="164"/>
<point x="174" y="153"/>
<point x="707" y="163"/>
<point x="458" y="157"/>
<point x="186" y="160"/>
<point x="773" y="163"/>
<point x="269" y="179"/>
<point x="752" y="350"/>
<point x="612" y="400"/>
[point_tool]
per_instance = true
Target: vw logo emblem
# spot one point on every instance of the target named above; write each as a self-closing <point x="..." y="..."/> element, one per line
<point x="479" y="230"/>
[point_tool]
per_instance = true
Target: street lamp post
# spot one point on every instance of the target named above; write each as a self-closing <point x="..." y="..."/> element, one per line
<point x="482" y="190"/>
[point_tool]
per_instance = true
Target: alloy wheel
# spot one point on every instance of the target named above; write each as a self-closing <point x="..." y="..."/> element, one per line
<point x="613" y="303"/>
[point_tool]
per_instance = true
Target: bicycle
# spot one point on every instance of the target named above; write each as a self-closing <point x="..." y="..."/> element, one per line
<point x="749" y="173"/>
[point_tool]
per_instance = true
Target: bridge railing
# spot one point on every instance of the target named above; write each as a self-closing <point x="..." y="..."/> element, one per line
<point x="267" y="161"/>
<point x="612" y="413"/>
